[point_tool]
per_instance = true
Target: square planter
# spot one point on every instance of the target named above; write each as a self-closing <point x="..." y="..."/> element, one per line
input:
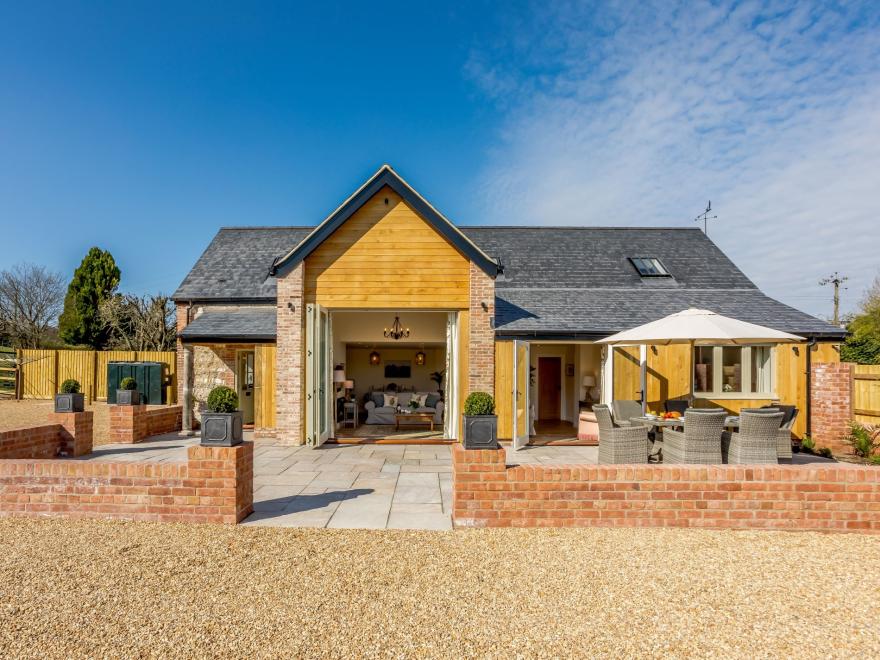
<point x="221" y="429"/>
<point x="128" y="397"/>
<point x="481" y="431"/>
<point x="65" y="403"/>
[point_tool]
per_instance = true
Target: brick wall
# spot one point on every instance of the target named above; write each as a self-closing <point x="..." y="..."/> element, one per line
<point x="289" y="359"/>
<point x="181" y="311"/>
<point x="214" y="485"/>
<point x="487" y="493"/>
<point x="68" y="434"/>
<point x="481" y="333"/>
<point x="831" y="404"/>
<point x="130" y="424"/>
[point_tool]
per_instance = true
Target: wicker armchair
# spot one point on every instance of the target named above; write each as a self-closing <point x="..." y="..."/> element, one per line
<point x="625" y="410"/>
<point x="783" y="444"/>
<point x="757" y="439"/>
<point x="620" y="444"/>
<point x="701" y="440"/>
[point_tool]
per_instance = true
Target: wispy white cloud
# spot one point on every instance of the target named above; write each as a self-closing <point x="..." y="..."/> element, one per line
<point x="637" y="114"/>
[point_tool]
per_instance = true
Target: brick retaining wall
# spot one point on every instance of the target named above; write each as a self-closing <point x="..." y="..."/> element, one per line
<point x="487" y="493"/>
<point x="69" y="434"/>
<point x="130" y="424"/>
<point x="214" y="485"/>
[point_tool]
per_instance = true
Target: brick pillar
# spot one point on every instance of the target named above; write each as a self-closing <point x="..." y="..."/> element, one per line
<point x="77" y="432"/>
<point x="831" y="409"/>
<point x="481" y="333"/>
<point x="289" y="358"/>
<point x="128" y="424"/>
<point x="181" y="311"/>
<point x="227" y="479"/>
<point x="475" y="471"/>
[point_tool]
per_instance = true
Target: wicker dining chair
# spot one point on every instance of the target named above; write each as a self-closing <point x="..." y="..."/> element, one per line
<point x="757" y="439"/>
<point x="620" y="444"/>
<point x="623" y="410"/>
<point x="783" y="445"/>
<point x="676" y="405"/>
<point x="701" y="440"/>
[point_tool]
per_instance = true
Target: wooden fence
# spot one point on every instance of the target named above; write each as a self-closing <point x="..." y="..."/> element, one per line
<point x="866" y="393"/>
<point x="7" y="372"/>
<point x="41" y="372"/>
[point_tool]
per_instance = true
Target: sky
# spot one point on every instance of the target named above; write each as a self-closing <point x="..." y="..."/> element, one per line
<point x="144" y="127"/>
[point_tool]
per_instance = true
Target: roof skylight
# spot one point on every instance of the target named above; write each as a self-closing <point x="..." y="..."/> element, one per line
<point x="649" y="267"/>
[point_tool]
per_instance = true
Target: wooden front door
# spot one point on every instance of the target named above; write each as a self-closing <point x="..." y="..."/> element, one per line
<point x="549" y="387"/>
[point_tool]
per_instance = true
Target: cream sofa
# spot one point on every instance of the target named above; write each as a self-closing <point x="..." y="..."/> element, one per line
<point x="385" y="414"/>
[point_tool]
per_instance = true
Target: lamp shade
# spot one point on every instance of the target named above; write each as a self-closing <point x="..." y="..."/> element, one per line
<point x="589" y="381"/>
<point x="348" y="384"/>
<point x="339" y="375"/>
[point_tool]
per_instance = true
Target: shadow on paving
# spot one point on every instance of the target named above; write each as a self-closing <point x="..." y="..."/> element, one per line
<point x="282" y="506"/>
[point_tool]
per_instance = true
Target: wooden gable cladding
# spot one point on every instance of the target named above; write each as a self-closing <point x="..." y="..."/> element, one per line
<point x="386" y="256"/>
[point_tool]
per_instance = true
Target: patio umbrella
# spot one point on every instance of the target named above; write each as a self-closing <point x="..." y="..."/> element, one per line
<point x="699" y="326"/>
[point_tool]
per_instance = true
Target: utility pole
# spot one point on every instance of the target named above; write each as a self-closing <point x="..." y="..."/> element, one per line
<point x="836" y="279"/>
<point x="705" y="217"/>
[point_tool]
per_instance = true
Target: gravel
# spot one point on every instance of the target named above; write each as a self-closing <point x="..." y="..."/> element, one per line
<point x="99" y="588"/>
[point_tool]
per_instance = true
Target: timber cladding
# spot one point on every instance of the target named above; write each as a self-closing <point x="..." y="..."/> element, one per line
<point x="386" y="256"/>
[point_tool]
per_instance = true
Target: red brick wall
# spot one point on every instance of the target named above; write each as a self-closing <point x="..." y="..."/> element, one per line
<point x="214" y="485"/>
<point x="289" y="359"/>
<point x="481" y="333"/>
<point x="130" y="424"/>
<point x="487" y="493"/>
<point x="69" y="434"/>
<point x="831" y="406"/>
<point x="181" y="313"/>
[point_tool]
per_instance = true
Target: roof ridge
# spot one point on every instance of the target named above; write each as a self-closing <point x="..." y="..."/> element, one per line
<point x="616" y="228"/>
<point x="227" y="227"/>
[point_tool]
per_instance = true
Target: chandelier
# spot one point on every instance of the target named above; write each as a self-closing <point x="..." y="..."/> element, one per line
<point x="396" y="331"/>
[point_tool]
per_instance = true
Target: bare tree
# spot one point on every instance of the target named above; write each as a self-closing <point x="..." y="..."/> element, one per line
<point x="31" y="298"/>
<point x="139" y="323"/>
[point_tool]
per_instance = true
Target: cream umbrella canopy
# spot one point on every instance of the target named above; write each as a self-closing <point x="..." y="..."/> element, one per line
<point x="696" y="327"/>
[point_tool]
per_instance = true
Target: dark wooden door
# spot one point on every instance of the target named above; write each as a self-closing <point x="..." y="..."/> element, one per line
<point x="549" y="387"/>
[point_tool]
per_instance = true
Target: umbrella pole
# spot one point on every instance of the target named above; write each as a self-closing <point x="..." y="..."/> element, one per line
<point x="692" y="368"/>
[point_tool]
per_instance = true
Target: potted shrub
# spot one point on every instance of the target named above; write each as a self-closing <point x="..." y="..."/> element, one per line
<point x="480" y="422"/>
<point x="222" y="422"/>
<point x="127" y="394"/>
<point x="69" y="398"/>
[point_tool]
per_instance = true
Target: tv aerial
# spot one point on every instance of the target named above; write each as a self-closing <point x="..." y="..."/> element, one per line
<point x="705" y="217"/>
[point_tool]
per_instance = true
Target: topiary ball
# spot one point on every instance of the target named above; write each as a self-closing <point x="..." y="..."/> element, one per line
<point x="479" y="403"/>
<point x="70" y="386"/>
<point x="223" y="399"/>
<point x="128" y="383"/>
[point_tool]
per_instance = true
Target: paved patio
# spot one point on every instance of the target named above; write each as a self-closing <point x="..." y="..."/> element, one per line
<point x="351" y="486"/>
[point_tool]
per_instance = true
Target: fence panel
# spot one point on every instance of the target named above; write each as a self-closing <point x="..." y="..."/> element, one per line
<point x="42" y="371"/>
<point x="39" y="368"/>
<point x="866" y="393"/>
<point x="7" y="371"/>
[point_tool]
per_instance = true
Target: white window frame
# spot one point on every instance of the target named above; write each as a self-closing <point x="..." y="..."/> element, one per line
<point x="745" y="375"/>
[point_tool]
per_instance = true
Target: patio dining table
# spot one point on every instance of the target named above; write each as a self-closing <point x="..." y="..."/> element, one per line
<point x="730" y="422"/>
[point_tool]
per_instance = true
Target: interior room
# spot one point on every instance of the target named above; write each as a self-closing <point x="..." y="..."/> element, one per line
<point x="564" y="379"/>
<point x="389" y="374"/>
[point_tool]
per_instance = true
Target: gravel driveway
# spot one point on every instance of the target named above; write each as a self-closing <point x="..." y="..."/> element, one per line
<point x="74" y="588"/>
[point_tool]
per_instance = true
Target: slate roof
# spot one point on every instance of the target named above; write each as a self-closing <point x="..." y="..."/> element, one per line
<point x="556" y="281"/>
<point x="243" y="323"/>
<point x="235" y="265"/>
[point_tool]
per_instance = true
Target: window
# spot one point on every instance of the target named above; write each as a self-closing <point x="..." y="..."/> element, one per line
<point x="733" y="371"/>
<point x="649" y="267"/>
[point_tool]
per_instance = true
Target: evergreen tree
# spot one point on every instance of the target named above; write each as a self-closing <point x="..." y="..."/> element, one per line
<point x="93" y="282"/>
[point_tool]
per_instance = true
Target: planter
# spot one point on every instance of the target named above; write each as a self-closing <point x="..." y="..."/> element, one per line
<point x="127" y="397"/>
<point x="65" y="403"/>
<point x="221" y="429"/>
<point x="480" y="432"/>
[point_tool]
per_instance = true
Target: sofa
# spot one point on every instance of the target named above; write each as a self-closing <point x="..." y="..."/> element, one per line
<point x="382" y="414"/>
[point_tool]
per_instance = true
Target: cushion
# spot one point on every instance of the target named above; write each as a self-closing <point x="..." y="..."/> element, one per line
<point x="431" y="400"/>
<point x="378" y="398"/>
<point x="390" y="400"/>
<point x="420" y="399"/>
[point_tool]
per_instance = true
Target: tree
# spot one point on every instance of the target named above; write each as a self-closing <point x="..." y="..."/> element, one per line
<point x="139" y="324"/>
<point x="30" y="301"/>
<point x="93" y="282"/>
<point x="863" y="344"/>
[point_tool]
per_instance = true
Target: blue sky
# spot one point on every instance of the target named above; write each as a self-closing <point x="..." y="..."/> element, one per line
<point x="142" y="127"/>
